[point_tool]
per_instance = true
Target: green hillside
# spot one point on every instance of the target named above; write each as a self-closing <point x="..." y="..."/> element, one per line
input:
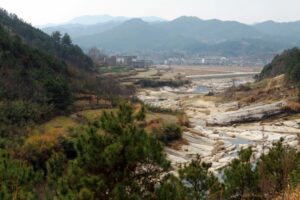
<point x="287" y="63"/>
<point x="32" y="84"/>
<point x="34" y="37"/>
<point x="39" y="74"/>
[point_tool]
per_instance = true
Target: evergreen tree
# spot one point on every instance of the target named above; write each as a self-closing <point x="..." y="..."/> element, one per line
<point x="58" y="92"/>
<point x="55" y="167"/>
<point x="56" y="35"/>
<point x="17" y="180"/>
<point x="201" y="184"/>
<point x="141" y="115"/>
<point x="170" y="132"/>
<point x="66" y="40"/>
<point x="241" y="178"/>
<point x="119" y="161"/>
<point x="276" y="169"/>
<point x="171" y="189"/>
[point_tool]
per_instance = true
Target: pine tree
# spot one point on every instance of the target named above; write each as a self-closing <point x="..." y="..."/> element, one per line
<point x="241" y="178"/>
<point x="141" y="115"/>
<point x="118" y="160"/>
<point x="56" y="35"/>
<point x="277" y="168"/>
<point x="202" y="184"/>
<point x="66" y="40"/>
<point x="17" y="179"/>
<point x="171" y="188"/>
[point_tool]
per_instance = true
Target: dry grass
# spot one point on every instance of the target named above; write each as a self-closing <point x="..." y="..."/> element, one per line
<point x="154" y="125"/>
<point x="46" y="135"/>
<point x="183" y="120"/>
<point x="165" y="73"/>
<point x="203" y="70"/>
<point x="265" y="91"/>
<point x="91" y="115"/>
<point x="43" y="140"/>
<point x="166" y="118"/>
<point x="204" y="111"/>
<point x="145" y="74"/>
<point x="293" y="106"/>
<point x="177" y="144"/>
<point x="60" y="126"/>
<point x="57" y="125"/>
<point x="289" y="195"/>
<point x="156" y="121"/>
<point x="212" y="98"/>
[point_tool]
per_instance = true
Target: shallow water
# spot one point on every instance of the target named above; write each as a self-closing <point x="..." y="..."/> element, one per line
<point x="239" y="141"/>
<point x="201" y="89"/>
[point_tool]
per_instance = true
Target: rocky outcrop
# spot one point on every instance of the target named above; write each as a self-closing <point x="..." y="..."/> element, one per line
<point x="219" y="143"/>
<point x="232" y="106"/>
<point x="247" y="114"/>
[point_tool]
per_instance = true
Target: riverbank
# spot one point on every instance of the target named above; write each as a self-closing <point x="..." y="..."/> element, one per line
<point x="219" y="129"/>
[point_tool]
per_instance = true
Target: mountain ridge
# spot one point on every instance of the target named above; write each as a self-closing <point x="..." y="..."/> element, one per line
<point x="98" y="19"/>
<point x="187" y="33"/>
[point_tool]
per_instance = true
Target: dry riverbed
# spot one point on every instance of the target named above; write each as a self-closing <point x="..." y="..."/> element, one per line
<point x="219" y="130"/>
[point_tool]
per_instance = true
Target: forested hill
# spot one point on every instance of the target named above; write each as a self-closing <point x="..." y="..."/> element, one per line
<point x="39" y="74"/>
<point x="32" y="84"/>
<point x="287" y="63"/>
<point x="61" y="48"/>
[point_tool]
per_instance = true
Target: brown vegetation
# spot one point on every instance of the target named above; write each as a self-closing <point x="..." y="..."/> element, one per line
<point x="177" y="144"/>
<point x="266" y="91"/>
<point x="293" y="107"/>
<point x="183" y="120"/>
<point x="289" y="194"/>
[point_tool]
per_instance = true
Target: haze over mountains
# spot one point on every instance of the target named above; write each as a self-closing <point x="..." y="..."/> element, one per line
<point x="94" y="19"/>
<point x="98" y="19"/>
<point x="186" y="34"/>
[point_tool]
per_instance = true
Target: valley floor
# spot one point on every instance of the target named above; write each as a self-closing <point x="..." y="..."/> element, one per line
<point x="218" y="128"/>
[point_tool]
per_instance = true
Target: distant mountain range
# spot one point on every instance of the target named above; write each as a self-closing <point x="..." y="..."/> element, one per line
<point x="99" y="19"/>
<point x="92" y="24"/>
<point x="95" y="19"/>
<point x="188" y="34"/>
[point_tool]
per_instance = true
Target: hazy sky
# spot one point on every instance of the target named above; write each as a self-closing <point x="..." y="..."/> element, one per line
<point x="40" y="12"/>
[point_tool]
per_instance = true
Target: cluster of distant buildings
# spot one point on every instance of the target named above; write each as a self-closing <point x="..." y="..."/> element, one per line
<point x="131" y="61"/>
<point x="219" y="61"/>
<point x="137" y="62"/>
